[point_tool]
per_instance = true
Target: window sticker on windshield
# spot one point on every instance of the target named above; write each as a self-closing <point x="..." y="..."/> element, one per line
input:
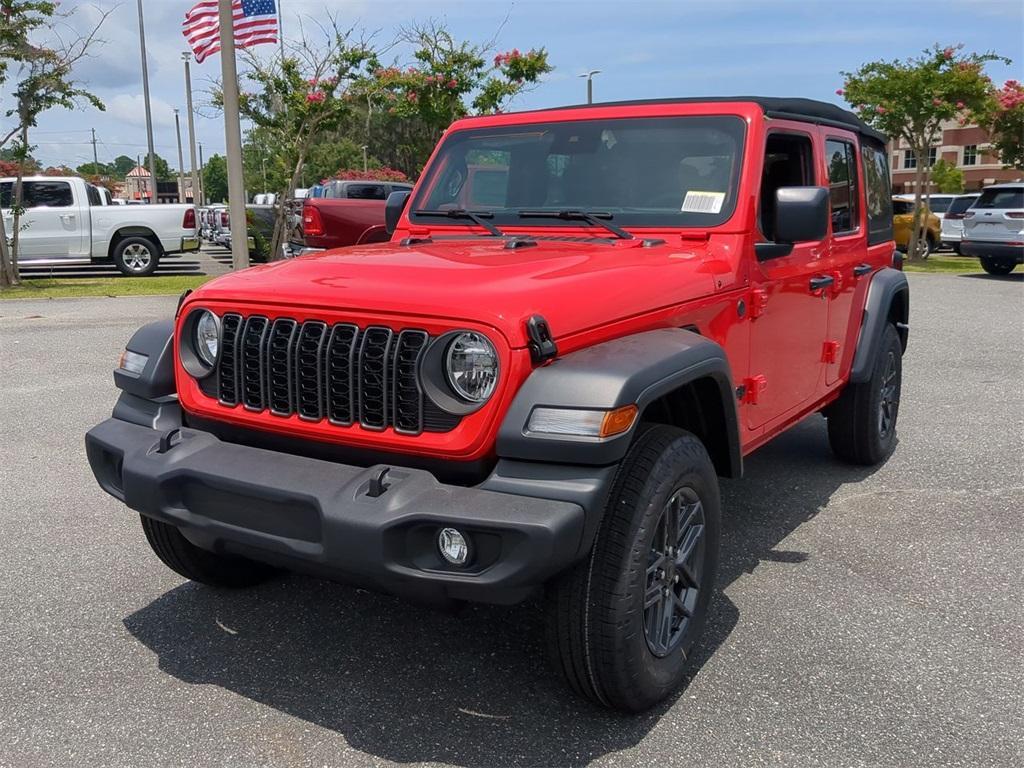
<point x="703" y="202"/>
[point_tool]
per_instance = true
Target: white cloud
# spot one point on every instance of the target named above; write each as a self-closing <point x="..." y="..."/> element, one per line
<point x="132" y="110"/>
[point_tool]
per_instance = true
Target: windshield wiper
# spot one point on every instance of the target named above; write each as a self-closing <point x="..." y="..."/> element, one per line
<point x="591" y="217"/>
<point x="477" y="217"/>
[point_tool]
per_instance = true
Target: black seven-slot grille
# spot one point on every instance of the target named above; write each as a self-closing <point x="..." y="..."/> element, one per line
<point x="340" y="372"/>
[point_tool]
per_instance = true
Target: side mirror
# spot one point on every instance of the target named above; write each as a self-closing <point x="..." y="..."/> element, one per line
<point x="393" y="210"/>
<point x="801" y="214"/>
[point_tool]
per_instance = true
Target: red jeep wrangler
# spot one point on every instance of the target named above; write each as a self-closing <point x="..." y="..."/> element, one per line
<point x="538" y="391"/>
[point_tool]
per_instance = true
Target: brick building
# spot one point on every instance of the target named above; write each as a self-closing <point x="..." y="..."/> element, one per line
<point x="137" y="186"/>
<point x="967" y="147"/>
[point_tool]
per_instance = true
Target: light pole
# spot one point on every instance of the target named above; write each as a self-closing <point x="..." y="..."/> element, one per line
<point x="590" y="83"/>
<point x="366" y="165"/>
<point x="145" y="92"/>
<point x="202" y="181"/>
<point x="181" y="160"/>
<point x="186" y="56"/>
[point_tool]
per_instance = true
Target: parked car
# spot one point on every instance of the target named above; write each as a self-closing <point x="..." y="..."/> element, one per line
<point x="348" y="213"/>
<point x="994" y="228"/>
<point x="537" y="396"/>
<point x="937" y="203"/>
<point x="65" y="221"/>
<point x="953" y="221"/>
<point x="903" y="224"/>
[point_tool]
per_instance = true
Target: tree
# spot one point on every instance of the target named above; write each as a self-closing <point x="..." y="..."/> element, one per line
<point x="46" y="81"/>
<point x="215" y="179"/>
<point x="298" y="99"/>
<point x="163" y="171"/>
<point x="122" y="166"/>
<point x="1003" y="118"/>
<point x="947" y="178"/>
<point x="95" y="169"/>
<point x="910" y="99"/>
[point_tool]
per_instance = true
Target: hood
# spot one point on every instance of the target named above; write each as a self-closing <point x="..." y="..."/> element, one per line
<point x="575" y="285"/>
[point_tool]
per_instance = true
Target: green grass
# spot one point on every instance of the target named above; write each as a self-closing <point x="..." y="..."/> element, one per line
<point x="62" y="288"/>
<point x="944" y="264"/>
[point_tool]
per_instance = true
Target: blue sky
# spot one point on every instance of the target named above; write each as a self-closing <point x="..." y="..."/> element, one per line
<point x="644" y="49"/>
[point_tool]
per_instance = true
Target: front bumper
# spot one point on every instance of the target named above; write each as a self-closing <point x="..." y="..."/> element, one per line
<point x="320" y="516"/>
<point x="993" y="250"/>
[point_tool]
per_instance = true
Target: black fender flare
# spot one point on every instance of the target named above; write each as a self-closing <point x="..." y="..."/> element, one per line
<point x="888" y="300"/>
<point x="639" y="369"/>
<point x="156" y="380"/>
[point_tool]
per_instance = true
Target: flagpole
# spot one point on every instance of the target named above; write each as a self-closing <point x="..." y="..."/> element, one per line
<point x="280" y="29"/>
<point x="149" y="118"/>
<point x="233" y="138"/>
<point x="196" y="199"/>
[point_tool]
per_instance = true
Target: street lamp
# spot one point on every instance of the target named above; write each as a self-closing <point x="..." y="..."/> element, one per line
<point x="590" y="83"/>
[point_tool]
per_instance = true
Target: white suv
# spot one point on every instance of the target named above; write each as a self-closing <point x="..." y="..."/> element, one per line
<point x="953" y="220"/>
<point x="994" y="228"/>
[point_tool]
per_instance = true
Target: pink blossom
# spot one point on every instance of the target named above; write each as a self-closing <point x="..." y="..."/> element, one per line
<point x="840" y="92"/>
<point x="315" y="96"/>
<point x="947" y="53"/>
<point x="881" y="110"/>
<point x="412" y="96"/>
<point x="515" y="53"/>
<point x="453" y="83"/>
<point x="312" y="81"/>
<point x="937" y="102"/>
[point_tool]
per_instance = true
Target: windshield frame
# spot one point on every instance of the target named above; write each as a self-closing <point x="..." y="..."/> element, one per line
<point x="508" y="218"/>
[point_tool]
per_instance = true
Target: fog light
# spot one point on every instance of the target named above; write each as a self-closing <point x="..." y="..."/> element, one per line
<point x="453" y="546"/>
<point x="132" y="362"/>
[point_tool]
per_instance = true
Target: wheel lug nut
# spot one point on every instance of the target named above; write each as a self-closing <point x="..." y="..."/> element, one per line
<point x="675" y="579"/>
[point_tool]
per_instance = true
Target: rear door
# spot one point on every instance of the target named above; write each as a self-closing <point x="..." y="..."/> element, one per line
<point x="791" y="313"/>
<point x="847" y="248"/>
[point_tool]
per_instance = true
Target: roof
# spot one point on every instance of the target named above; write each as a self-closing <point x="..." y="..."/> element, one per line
<point x="789" y="108"/>
<point x="138" y="170"/>
<point x="1005" y="185"/>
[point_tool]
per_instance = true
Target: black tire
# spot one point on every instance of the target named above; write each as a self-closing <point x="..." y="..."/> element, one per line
<point x="862" y="422"/>
<point x="598" y="626"/>
<point x="956" y="248"/>
<point x="997" y="266"/>
<point x="136" y="256"/>
<point x="925" y="247"/>
<point x="185" y="558"/>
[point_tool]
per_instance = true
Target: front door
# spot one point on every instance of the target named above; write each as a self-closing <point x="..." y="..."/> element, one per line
<point x="789" y="306"/>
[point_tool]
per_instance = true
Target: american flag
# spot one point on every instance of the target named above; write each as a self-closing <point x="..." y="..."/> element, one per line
<point x="255" y="22"/>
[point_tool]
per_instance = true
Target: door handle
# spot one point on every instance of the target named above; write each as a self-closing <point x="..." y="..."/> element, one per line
<point x="862" y="269"/>
<point x="821" y="282"/>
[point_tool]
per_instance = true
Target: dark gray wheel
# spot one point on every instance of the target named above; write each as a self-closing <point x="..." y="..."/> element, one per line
<point x="997" y="266"/>
<point x="862" y="422"/>
<point x="185" y="558"/>
<point x="622" y="624"/>
<point x="136" y="256"/>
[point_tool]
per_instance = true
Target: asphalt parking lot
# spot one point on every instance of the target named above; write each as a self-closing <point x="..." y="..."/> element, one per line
<point x="863" y="617"/>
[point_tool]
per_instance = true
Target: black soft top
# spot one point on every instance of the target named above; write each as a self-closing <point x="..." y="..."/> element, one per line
<point x="782" y="107"/>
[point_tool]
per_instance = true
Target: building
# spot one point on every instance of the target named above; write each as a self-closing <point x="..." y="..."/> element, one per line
<point x="138" y="186"/>
<point x="965" y="146"/>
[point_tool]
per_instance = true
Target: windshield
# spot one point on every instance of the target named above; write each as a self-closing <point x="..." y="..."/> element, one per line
<point x="1002" y="197"/>
<point x="674" y="171"/>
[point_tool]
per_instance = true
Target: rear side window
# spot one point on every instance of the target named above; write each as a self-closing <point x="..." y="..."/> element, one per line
<point x="46" y="194"/>
<point x="902" y="207"/>
<point x="939" y="204"/>
<point x="878" y="193"/>
<point x="5" y="194"/>
<point x="93" y="194"/>
<point x="961" y="204"/>
<point x="842" y="182"/>
<point x="365" y="192"/>
<point x="1001" y="198"/>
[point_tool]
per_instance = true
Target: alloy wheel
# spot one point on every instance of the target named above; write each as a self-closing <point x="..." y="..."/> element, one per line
<point x="889" y="401"/>
<point x="674" y="569"/>
<point x="137" y="257"/>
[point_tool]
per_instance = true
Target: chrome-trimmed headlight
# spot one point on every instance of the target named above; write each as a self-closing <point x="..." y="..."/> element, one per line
<point x="199" y="342"/>
<point x="206" y="336"/>
<point x="471" y="366"/>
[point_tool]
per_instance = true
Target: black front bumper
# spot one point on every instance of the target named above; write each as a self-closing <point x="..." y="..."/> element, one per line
<point x="992" y="250"/>
<point x="320" y="516"/>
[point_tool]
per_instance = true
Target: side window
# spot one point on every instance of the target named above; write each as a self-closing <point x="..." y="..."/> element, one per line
<point x="47" y="194"/>
<point x="6" y="189"/>
<point x="788" y="162"/>
<point x="842" y="184"/>
<point x="93" y="194"/>
<point x="878" y="194"/>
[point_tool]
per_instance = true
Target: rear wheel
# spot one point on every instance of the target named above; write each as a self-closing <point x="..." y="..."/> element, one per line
<point x="622" y="624"/>
<point x="185" y="558"/>
<point x="997" y="266"/>
<point x="862" y="422"/>
<point x="136" y="256"/>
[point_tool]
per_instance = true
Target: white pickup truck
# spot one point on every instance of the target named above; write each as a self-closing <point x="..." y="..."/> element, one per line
<point x="66" y="221"/>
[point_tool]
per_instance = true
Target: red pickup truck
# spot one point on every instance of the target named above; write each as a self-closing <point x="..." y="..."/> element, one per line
<point x="347" y="213"/>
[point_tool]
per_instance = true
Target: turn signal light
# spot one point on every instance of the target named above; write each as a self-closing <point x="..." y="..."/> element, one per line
<point x="618" y="421"/>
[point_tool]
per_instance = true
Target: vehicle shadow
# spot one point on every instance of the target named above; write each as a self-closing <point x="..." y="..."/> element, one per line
<point x="1013" y="277"/>
<point x="407" y="684"/>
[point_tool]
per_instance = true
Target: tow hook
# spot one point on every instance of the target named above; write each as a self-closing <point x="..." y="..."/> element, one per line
<point x="377" y="484"/>
<point x="165" y="440"/>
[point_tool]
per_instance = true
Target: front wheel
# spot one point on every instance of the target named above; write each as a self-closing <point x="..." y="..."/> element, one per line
<point x="622" y="624"/>
<point x="996" y="266"/>
<point x="136" y="256"/>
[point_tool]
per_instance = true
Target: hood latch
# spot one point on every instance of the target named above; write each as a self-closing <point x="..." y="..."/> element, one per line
<point x="542" y="345"/>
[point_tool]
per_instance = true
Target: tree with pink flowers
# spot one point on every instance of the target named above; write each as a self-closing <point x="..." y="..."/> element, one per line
<point x="910" y="99"/>
<point x="1003" y="118"/>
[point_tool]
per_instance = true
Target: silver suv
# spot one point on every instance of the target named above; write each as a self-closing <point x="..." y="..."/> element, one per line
<point x="953" y="221"/>
<point x="994" y="228"/>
